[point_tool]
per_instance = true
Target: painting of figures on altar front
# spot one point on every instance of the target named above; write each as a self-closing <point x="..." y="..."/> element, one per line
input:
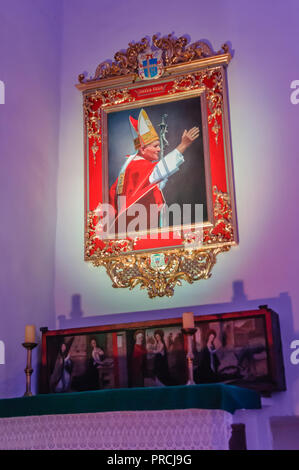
<point x="156" y="357"/>
<point x="134" y="358"/>
<point x="232" y="351"/>
<point x="241" y="348"/>
<point x="86" y="362"/>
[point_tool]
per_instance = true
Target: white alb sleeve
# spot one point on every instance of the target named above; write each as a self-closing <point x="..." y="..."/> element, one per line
<point x="167" y="166"/>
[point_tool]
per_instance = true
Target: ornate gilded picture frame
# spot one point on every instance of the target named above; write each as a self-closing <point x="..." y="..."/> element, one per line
<point x="157" y="136"/>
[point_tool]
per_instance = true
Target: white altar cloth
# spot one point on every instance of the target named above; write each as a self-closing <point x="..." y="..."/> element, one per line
<point x="191" y="429"/>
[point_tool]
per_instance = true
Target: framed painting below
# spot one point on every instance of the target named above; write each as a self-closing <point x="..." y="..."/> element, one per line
<point x="239" y="348"/>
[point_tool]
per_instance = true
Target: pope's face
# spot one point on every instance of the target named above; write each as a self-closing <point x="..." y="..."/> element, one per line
<point x="151" y="151"/>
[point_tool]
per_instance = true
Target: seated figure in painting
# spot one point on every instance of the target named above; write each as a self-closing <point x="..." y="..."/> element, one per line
<point x="143" y="176"/>
<point x="99" y="366"/>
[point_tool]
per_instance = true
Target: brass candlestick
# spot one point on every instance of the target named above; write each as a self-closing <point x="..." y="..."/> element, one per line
<point x="28" y="371"/>
<point x="190" y="356"/>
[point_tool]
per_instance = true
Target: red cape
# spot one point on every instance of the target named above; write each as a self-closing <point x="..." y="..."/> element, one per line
<point x="137" y="187"/>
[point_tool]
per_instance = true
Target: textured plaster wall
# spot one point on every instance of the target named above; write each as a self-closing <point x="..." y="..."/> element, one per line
<point x="29" y="67"/>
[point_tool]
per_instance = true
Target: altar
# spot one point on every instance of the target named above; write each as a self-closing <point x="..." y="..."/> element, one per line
<point x="196" y="417"/>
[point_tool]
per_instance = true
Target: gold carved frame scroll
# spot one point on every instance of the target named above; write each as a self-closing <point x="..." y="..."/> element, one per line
<point x="163" y="71"/>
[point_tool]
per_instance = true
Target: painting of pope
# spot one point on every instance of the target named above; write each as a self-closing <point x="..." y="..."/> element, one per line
<point x="143" y="172"/>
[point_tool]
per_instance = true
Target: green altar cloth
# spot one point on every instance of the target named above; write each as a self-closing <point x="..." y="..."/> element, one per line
<point x="206" y="396"/>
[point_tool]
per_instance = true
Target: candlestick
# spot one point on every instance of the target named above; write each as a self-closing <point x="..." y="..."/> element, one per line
<point x="28" y="370"/>
<point x="188" y="320"/>
<point x="29" y="334"/>
<point x="190" y="356"/>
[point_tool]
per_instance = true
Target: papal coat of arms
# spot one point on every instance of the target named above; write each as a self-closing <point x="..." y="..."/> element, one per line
<point x="157" y="260"/>
<point x="150" y="64"/>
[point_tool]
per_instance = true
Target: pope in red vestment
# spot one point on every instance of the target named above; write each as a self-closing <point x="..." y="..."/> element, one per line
<point x="143" y="175"/>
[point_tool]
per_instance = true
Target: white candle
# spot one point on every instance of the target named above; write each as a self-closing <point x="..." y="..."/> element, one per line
<point x="188" y="320"/>
<point x="29" y="334"/>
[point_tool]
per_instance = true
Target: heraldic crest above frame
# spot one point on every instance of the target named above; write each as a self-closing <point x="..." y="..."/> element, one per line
<point x="159" y="194"/>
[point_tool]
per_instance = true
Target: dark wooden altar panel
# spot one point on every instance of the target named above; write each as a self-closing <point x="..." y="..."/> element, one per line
<point x="247" y="343"/>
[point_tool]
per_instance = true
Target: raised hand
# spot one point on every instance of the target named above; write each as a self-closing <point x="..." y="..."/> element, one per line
<point x="188" y="138"/>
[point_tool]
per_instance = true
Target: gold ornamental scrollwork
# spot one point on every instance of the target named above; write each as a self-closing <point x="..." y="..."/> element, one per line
<point x="174" y="51"/>
<point x="92" y="112"/>
<point x="177" y="51"/>
<point x="113" y="96"/>
<point x="124" y="63"/>
<point x="222" y="231"/>
<point x="131" y="271"/>
<point x="92" y="117"/>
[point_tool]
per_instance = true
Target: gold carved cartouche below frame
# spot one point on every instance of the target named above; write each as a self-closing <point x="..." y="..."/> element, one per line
<point x="190" y="66"/>
<point x="181" y="265"/>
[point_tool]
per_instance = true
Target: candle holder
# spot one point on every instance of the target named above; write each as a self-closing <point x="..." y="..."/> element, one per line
<point x="28" y="371"/>
<point x="189" y="332"/>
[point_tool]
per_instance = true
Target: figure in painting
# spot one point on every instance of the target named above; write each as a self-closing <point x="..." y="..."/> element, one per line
<point x="97" y="353"/>
<point x="99" y="366"/>
<point x="176" y="358"/>
<point x="161" y="368"/>
<point x="208" y="362"/>
<point x="143" y="176"/>
<point x="60" y="380"/>
<point x="138" y="360"/>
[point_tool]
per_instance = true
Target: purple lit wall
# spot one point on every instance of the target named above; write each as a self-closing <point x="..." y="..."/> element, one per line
<point x="29" y="67"/>
<point x="42" y="188"/>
